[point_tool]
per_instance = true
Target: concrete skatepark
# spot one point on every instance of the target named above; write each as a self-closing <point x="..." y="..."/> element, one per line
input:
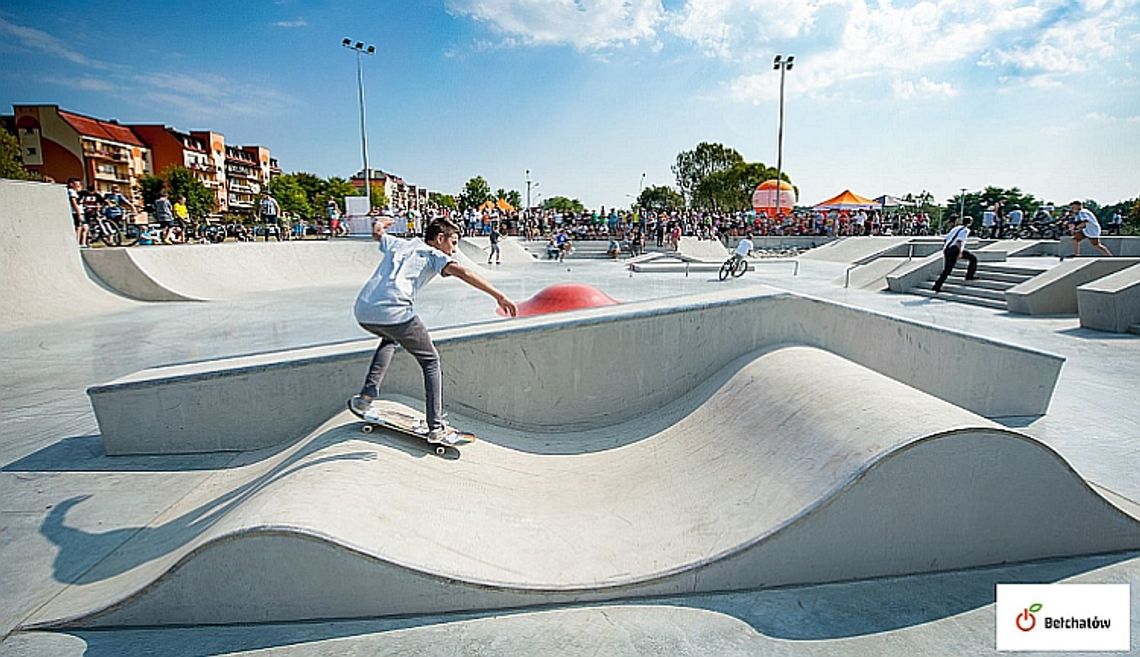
<point x="771" y="465"/>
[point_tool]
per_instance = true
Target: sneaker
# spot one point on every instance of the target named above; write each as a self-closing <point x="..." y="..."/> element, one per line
<point x="359" y="405"/>
<point x="443" y="436"/>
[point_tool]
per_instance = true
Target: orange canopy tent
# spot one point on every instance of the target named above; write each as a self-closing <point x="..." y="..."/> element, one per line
<point x="500" y="204"/>
<point x="848" y="200"/>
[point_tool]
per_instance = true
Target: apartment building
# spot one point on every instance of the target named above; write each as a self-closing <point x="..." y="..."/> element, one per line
<point x="59" y="145"/>
<point x="193" y="151"/>
<point x="400" y="193"/>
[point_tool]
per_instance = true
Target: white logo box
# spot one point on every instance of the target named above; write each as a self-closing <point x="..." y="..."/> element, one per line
<point x="1064" y="617"/>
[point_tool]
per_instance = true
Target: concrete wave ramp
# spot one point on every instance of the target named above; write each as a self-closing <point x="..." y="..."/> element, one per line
<point x="759" y="476"/>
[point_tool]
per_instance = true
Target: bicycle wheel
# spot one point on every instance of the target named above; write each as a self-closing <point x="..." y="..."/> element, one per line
<point x="131" y="234"/>
<point x="739" y="268"/>
<point x="112" y="236"/>
<point x="725" y="269"/>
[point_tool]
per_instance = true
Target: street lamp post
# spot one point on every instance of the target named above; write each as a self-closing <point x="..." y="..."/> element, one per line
<point x="783" y="66"/>
<point x="361" y="49"/>
<point x="962" y="205"/>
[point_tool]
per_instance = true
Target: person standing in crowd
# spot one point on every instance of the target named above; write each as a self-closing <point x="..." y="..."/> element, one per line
<point x="494" y="245"/>
<point x="270" y="213"/>
<point x="954" y="248"/>
<point x="1115" y="223"/>
<point x="1085" y="226"/>
<point x="181" y="216"/>
<point x="1015" y="218"/>
<point x="332" y="213"/>
<point x="385" y="307"/>
<point x="164" y="216"/>
<point x="81" y="230"/>
<point x="92" y="203"/>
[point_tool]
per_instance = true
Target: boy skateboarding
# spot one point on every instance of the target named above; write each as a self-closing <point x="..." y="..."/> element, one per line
<point x="385" y="308"/>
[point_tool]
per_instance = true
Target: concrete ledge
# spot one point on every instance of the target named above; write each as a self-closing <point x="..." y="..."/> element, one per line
<point x="572" y="371"/>
<point x="1054" y="292"/>
<point x="1111" y="303"/>
<point x="1128" y="247"/>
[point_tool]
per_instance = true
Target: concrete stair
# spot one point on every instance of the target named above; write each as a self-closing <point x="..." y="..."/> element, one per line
<point x="987" y="290"/>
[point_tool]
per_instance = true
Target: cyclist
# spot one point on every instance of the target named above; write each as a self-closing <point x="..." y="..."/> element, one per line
<point x="743" y="248"/>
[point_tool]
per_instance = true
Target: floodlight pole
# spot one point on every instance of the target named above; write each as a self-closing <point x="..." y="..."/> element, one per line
<point x="361" y="49"/>
<point x="962" y="206"/>
<point x="783" y="66"/>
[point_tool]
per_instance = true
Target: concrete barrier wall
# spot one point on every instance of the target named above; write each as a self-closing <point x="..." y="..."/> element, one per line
<point x="574" y="371"/>
<point x="1054" y="292"/>
<point x="1111" y="303"/>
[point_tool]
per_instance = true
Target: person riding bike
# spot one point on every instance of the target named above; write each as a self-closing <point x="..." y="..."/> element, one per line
<point x="743" y="248"/>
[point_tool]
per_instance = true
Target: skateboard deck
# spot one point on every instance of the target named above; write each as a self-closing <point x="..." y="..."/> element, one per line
<point x="401" y="419"/>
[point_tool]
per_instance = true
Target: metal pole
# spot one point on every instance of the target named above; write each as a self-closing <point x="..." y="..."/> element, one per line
<point x="363" y="132"/>
<point x="962" y="205"/>
<point x="780" y="143"/>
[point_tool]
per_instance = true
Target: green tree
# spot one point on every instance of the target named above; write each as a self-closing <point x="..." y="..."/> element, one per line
<point x="11" y="163"/>
<point x="693" y="167"/>
<point x="514" y="198"/>
<point x="977" y="202"/>
<point x="291" y="196"/>
<point x="731" y="189"/>
<point x="660" y="198"/>
<point x="475" y="193"/>
<point x="335" y="190"/>
<point x="379" y="198"/>
<point x="181" y="181"/>
<point x="1129" y="209"/>
<point x="313" y="186"/>
<point x="563" y="204"/>
<point x="151" y="188"/>
<point x="445" y="201"/>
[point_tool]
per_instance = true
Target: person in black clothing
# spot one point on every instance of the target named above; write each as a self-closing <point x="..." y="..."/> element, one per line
<point x="954" y="248"/>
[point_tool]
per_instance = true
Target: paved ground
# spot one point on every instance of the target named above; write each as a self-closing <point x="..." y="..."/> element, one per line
<point x="50" y="453"/>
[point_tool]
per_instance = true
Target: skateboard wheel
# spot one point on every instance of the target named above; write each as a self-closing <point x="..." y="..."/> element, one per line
<point x="441" y="450"/>
<point x="366" y="428"/>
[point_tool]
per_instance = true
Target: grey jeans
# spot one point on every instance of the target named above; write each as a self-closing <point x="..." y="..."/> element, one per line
<point x="413" y="336"/>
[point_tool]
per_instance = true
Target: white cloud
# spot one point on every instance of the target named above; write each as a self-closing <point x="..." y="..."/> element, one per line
<point x="300" y="22"/>
<point x="85" y="83"/>
<point x="587" y="25"/>
<point x="40" y="41"/>
<point x="210" y="95"/>
<point x="923" y="88"/>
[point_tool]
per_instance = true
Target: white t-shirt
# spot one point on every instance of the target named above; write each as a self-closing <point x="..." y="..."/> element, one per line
<point x="1092" y="227"/>
<point x="743" y="247"/>
<point x="957" y="236"/>
<point x="389" y="295"/>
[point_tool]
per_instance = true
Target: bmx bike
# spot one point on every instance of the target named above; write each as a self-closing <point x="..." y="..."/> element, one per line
<point x="735" y="266"/>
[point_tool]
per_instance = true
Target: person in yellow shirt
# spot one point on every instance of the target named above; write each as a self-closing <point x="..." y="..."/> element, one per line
<point x="181" y="214"/>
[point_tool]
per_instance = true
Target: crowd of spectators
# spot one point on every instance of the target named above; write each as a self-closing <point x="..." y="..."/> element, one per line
<point x="660" y="226"/>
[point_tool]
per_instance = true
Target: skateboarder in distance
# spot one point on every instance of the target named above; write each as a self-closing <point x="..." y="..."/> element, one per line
<point x="955" y="248"/>
<point x="385" y="308"/>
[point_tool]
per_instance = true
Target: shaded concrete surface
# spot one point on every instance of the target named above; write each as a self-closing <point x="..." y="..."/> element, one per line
<point x="49" y="458"/>
<point x="949" y="613"/>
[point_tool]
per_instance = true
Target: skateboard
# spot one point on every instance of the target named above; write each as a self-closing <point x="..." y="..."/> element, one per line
<point x="395" y="417"/>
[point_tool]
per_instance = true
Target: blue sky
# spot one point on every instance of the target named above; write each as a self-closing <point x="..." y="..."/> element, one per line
<point x="885" y="97"/>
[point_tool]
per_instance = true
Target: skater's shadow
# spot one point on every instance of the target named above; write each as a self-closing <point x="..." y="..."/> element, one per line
<point x="85" y="557"/>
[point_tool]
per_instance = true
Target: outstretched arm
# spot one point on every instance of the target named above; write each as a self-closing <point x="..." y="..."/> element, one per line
<point x="479" y="283"/>
<point x="379" y="226"/>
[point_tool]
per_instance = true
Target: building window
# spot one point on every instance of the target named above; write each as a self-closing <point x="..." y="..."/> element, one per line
<point x="31" y="152"/>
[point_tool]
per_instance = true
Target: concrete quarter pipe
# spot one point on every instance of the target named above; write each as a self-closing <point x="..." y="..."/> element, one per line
<point x="43" y="277"/>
